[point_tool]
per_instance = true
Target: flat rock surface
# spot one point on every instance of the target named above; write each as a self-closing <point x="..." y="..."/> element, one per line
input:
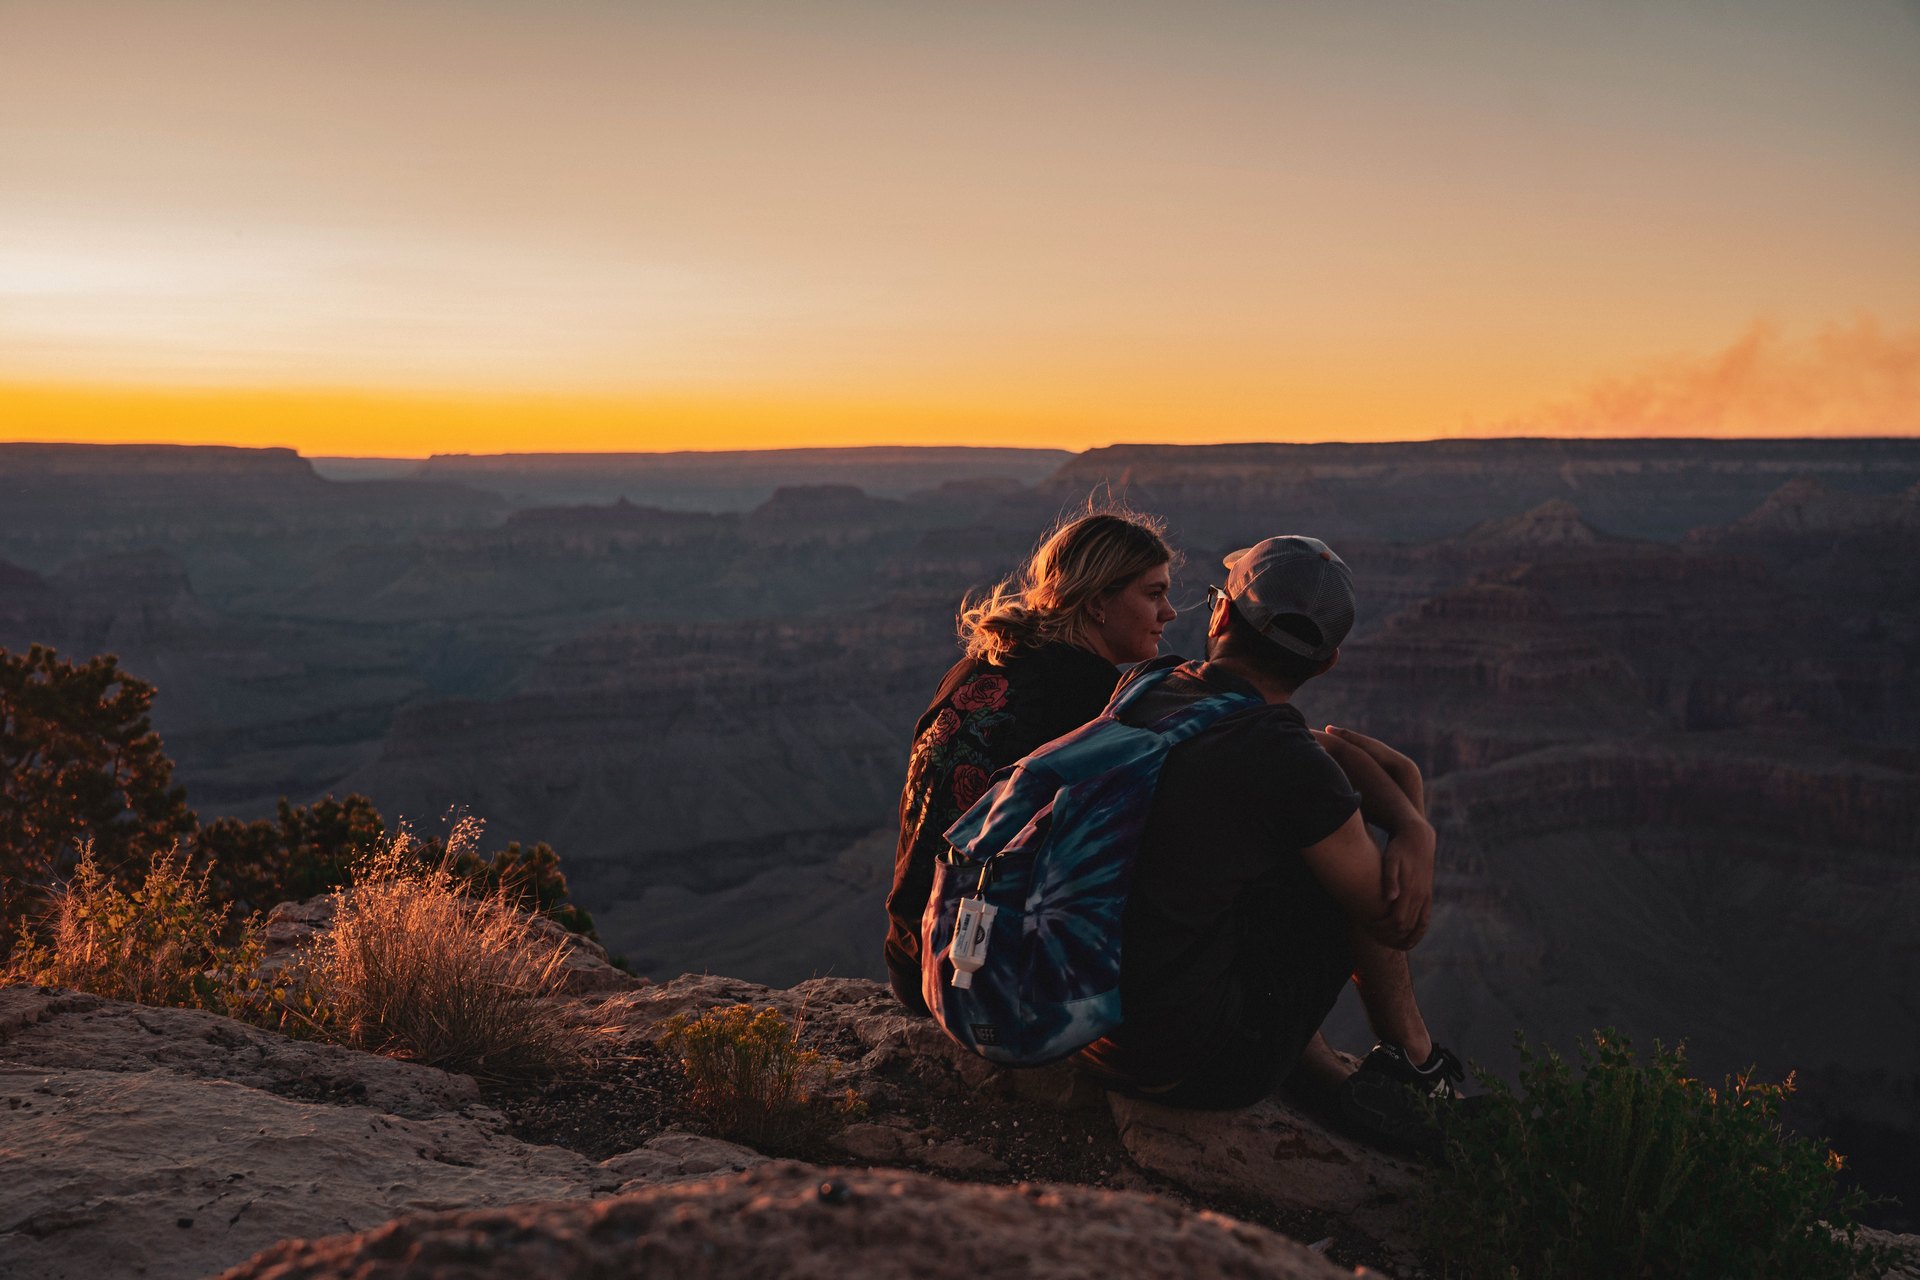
<point x="1271" y="1154"/>
<point x="43" y="1027"/>
<point x="800" y="1222"/>
<point x="194" y="1142"/>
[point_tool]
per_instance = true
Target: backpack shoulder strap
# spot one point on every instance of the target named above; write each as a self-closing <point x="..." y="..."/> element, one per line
<point x="1026" y="790"/>
<point x="1186" y="720"/>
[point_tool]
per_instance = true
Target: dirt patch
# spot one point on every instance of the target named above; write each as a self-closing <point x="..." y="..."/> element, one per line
<point x="614" y="1105"/>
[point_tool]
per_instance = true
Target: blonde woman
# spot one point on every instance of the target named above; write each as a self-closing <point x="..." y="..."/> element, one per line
<point x="1043" y="651"/>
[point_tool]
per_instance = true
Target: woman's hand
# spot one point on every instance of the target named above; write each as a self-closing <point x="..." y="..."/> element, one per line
<point x="1404" y="772"/>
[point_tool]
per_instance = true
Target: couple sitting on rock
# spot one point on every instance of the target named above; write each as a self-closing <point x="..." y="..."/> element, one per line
<point x="1257" y="891"/>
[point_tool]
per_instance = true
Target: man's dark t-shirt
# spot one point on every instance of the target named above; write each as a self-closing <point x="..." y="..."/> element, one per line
<point x="982" y="719"/>
<point x="1230" y="942"/>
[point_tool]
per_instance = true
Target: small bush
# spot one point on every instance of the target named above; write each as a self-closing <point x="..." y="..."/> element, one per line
<point x="159" y="943"/>
<point x="1630" y="1170"/>
<point x="747" y="1074"/>
<point x="415" y="967"/>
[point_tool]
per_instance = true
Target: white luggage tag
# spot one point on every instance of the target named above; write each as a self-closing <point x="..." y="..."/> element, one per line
<point x="972" y="930"/>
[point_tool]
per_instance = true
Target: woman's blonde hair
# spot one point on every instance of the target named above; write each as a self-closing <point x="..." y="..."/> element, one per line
<point x="1078" y="560"/>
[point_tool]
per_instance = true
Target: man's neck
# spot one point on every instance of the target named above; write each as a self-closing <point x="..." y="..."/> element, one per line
<point x="1267" y="687"/>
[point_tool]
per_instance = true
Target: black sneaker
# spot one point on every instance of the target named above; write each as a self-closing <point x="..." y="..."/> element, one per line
<point x="1389" y="1101"/>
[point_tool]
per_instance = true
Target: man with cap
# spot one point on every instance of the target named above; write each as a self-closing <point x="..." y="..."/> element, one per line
<point x="1258" y="891"/>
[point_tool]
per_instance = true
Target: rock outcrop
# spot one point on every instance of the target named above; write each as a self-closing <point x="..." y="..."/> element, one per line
<point x="1640" y="488"/>
<point x="796" y="1222"/>
<point x="1554" y="523"/>
<point x="1271" y="1157"/>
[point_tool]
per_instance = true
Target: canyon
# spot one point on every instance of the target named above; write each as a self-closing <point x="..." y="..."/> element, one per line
<point x="1664" y="692"/>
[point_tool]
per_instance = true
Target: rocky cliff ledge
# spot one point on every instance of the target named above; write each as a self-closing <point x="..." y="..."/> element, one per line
<point x="172" y="1143"/>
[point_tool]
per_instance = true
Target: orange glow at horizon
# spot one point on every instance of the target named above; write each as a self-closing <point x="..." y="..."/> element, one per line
<point x="356" y="228"/>
<point x="1857" y="380"/>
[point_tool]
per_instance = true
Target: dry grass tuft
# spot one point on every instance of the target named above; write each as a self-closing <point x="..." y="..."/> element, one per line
<point x="417" y="967"/>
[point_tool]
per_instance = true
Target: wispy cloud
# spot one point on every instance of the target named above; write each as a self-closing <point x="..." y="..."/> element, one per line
<point x="1860" y="378"/>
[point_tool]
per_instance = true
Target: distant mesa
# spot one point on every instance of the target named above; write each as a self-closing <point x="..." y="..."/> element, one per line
<point x="831" y="513"/>
<point x="1554" y="523"/>
<point x="1804" y="507"/>
<point x="357" y="470"/>
<point x="736" y="480"/>
<point x="94" y="461"/>
<point x="618" y="514"/>
<point x="980" y="486"/>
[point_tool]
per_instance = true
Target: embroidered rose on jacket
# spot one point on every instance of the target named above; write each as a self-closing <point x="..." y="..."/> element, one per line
<point x="982" y="693"/>
<point x="969" y="784"/>
<point x="944" y="726"/>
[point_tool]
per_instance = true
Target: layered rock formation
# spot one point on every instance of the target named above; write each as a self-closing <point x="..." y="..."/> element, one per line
<point x="1643" y="488"/>
<point x="231" y="514"/>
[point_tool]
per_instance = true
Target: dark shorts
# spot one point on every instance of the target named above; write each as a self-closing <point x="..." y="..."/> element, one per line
<point x="1289" y="969"/>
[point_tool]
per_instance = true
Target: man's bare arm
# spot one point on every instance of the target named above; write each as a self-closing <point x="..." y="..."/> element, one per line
<point x="1405" y="870"/>
<point x="1348" y="866"/>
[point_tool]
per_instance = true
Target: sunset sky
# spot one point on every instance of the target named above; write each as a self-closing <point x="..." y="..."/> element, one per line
<point x="404" y="228"/>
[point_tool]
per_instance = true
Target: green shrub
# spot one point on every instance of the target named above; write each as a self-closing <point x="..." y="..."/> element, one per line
<point x="747" y="1074"/>
<point x="531" y="879"/>
<point x="160" y="943"/>
<point x="415" y="966"/>
<point x="302" y="851"/>
<point x="312" y="849"/>
<point x="1643" y="1171"/>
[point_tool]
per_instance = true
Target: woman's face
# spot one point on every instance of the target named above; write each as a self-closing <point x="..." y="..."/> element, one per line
<point x="1124" y="626"/>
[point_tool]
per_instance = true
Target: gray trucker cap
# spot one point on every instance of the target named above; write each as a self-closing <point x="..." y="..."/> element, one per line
<point x="1294" y="577"/>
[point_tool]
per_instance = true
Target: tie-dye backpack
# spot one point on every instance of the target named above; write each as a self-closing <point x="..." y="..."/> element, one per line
<point x="1034" y="883"/>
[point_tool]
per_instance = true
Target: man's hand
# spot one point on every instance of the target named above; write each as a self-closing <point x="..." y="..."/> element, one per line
<point x="1403" y="771"/>
<point x="1406" y="882"/>
<point x="1352" y="868"/>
